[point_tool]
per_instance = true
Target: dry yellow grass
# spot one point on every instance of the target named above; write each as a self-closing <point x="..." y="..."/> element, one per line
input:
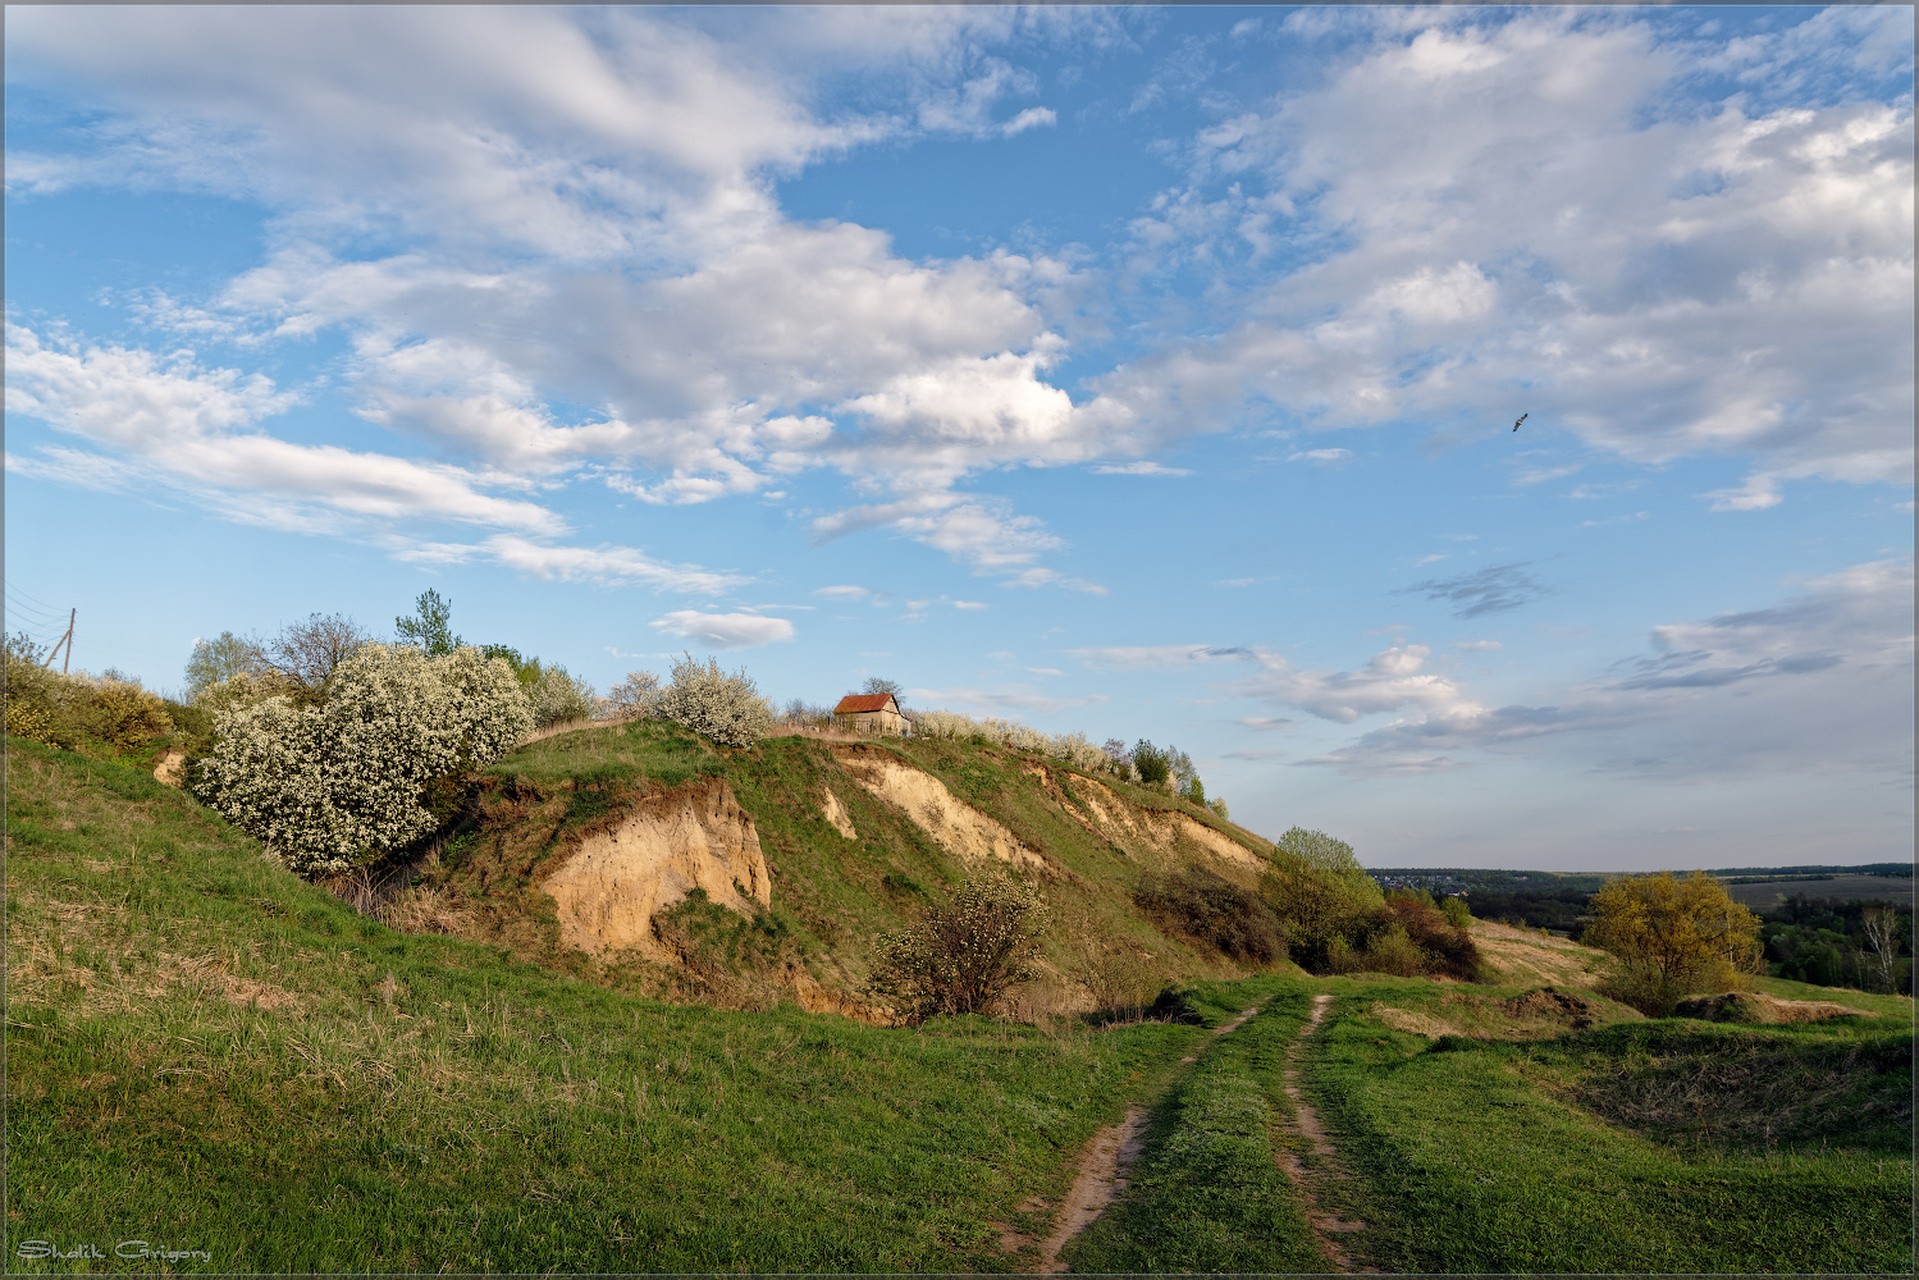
<point x="1526" y="957"/>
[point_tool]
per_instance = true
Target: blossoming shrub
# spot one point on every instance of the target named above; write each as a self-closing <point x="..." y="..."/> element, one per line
<point x="340" y="784"/>
<point x="727" y="709"/>
<point x="1068" y="748"/>
<point x="966" y="955"/>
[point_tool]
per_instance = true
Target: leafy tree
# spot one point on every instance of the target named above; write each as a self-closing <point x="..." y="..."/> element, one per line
<point x="559" y="697"/>
<point x="342" y="782"/>
<point x="1880" y="924"/>
<point x="1154" y="767"/>
<point x="1320" y="892"/>
<point x="966" y="955"/>
<point x="216" y="661"/>
<point x="1671" y="938"/>
<point x="637" y="697"/>
<point x="431" y="626"/>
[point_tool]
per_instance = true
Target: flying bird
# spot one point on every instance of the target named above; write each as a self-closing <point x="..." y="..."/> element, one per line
<point x="1522" y="418"/>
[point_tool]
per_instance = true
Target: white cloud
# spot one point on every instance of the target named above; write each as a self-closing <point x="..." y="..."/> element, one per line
<point x="609" y="565"/>
<point x="198" y="429"/>
<point x="1393" y="679"/>
<point x="1526" y="211"/>
<point x="724" y="630"/>
<point x="1138" y="469"/>
<point x="1004" y="699"/>
<point x="1322" y="456"/>
<point x="1152" y="657"/>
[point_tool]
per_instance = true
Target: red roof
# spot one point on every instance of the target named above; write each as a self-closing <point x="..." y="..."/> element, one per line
<point x="854" y="703"/>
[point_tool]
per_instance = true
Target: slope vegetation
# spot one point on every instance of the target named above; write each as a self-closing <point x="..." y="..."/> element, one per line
<point x="644" y="858"/>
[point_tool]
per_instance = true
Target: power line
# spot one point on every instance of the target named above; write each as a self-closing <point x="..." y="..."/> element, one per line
<point x="27" y="596"/>
<point x="32" y="612"/>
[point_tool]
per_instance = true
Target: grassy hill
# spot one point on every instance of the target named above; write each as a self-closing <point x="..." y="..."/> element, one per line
<point x="1088" y="841"/>
<point x="210" y="1056"/>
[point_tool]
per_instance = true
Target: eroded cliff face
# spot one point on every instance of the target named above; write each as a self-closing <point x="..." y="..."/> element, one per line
<point x="1166" y="831"/>
<point x="613" y="884"/>
<point x="955" y="826"/>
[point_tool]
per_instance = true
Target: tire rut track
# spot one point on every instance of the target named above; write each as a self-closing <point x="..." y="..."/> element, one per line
<point x="1103" y="1171"/>
<point x="1327" y="1225"/>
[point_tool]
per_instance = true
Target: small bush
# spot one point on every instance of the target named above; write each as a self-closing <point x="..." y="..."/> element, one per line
<point x="965" y="956"/>
<point x="1447" y="948"/>
<point x="727" y="709"/>
<point x="1211" y="910"/>
<point x="108" y="716"/>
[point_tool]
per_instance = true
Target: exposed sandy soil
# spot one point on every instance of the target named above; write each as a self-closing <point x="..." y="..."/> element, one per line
<point x="1104" y="813"/>
<point x="611" y="886"/>
<point x="172" y="768"/>
<point x="1327" y="1225"/>
<point x="835" y="813"/>
<point x="958" y="827"/>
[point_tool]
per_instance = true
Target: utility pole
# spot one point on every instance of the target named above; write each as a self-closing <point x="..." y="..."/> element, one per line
<point x="66" y="642"/>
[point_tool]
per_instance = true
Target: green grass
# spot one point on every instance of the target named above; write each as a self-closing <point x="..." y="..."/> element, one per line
<point x="206" y="1052"/>
<point x="831" y="896"/>
<point x="1207" y="1193"/>
<point x="1476" y="1156"/>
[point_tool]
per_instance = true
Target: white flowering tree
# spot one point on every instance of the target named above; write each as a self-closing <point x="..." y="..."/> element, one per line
<point x="728" y="709"/>
<point x="340" y="784"/>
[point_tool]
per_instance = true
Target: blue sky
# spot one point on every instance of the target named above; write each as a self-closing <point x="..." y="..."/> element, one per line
<point x="1143" y="372"/>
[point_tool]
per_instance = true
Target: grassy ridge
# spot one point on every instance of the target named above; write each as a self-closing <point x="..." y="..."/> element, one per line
<point x="206" y="1052"/>
<point x="831" y="895"/>
<point x="1475" y="1156"/>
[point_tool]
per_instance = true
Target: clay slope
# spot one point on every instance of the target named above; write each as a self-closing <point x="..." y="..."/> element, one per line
<point x="612" y="884"/>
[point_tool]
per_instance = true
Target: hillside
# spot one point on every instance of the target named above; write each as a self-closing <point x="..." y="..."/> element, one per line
<point x="642" y="857"/>
<point x="225" y="1069"/>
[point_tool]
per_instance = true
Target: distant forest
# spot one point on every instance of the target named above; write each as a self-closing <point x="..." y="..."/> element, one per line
<point x="1814" y="919"/>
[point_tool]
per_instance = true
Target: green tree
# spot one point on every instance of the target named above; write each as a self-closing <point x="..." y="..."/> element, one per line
<point x="1320" y="892"/>
<point x="1671" y="938"/>
<point x="216" y="661"/>
<point x="430" y="627"/>
<point x="1154" y="766"/>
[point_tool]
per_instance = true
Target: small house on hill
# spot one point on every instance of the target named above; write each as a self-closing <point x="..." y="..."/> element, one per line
<point x="874" y="713"/>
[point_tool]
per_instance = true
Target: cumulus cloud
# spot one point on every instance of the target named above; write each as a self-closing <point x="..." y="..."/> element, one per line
<point x="1540" y="203"/>
<point x="577" y="207"/>
<point x="198" y="429"/>
<point x="604" y="564"/>
<point x="724" y="630"/>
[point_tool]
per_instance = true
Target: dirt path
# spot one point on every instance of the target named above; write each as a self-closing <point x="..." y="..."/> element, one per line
<point x="1327" y="1225"/>
<point x="1102" y="1173"/>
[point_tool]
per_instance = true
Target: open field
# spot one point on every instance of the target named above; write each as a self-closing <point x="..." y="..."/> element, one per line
<point x="200" y="1043"/>
<point x="1763" y="894"/>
